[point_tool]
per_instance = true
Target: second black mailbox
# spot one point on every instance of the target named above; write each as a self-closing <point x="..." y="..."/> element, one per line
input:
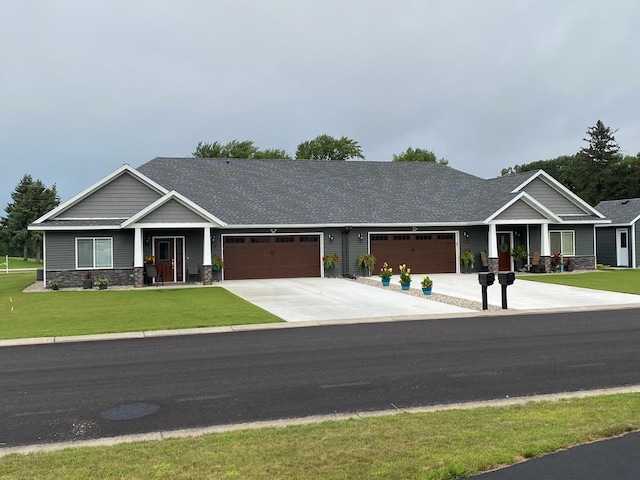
<point x="506" y="278"/>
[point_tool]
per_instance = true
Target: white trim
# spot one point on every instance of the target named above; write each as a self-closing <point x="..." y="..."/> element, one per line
<point x="633" y="247"/>
<point x="93" y="260"/>
<point x="564" y="191"/>
<point x="99" y="184"/>
<point x="619" y="248"/>
<point x="175" y="247"/>
<point x="531" y="202"/>
<point x="573" y="241"/>
<point x="185" y="202"/>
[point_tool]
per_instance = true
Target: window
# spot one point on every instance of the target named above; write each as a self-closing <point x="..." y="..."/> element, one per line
<point x="563" y="241"/>
<point x="94" y="253"/>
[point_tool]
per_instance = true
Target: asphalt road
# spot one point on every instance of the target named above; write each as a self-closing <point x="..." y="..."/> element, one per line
<point x="62" y="392"/>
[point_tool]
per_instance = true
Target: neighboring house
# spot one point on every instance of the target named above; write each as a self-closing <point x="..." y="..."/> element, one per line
<point x="617" y="243"/>
<point x="277" y="218"/>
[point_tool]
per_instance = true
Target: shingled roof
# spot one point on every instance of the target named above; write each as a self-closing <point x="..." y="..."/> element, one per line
<point x="312" y="192"/>
<point x="621" y="212"/>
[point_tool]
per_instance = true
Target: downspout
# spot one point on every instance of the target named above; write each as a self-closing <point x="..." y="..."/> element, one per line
<point x="634" y="263"/>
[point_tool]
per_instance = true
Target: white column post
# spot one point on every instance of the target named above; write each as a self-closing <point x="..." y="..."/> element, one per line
<point x="492" y="242"/>
<point x="206" y="251"/>
<point x="544" y="240"/>
<point x="138" y="259"/>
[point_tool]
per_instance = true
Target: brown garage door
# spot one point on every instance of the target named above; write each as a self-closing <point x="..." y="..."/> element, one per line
<point x="282" y="256"/>
<point x="423" y="253"/>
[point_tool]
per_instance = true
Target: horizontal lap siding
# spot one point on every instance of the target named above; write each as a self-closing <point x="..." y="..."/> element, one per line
<point x="583" y="237"/>
<point x="61" y="248"/>
<point x="121" y="198"/>
<point x="552" y="199"/>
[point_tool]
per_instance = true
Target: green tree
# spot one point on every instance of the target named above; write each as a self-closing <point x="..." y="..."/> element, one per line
<point x="602" y="148"/>
<point x="326" y="147"/>
<point x="419" y="155"/>
<point x="31" y="200"/>
<point x="237" y="149"/>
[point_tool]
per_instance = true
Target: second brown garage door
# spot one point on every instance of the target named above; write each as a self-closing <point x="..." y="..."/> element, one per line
<point x="422" y="253"/>
<point x="281" y="256"/>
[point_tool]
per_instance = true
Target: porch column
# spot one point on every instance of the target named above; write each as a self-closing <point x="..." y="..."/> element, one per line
<point x="544" y="240"/>
<point x="207" y="273"/>
<point x="138" y="258"/>
<point x="492" y="249"/>
<point x="492" y="243"/>
<point x="137" y="248"/>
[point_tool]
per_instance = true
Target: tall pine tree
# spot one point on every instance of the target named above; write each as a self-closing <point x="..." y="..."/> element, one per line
<point x="31" y="200"/>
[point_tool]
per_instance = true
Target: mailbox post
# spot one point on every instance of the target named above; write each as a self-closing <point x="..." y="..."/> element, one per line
<point x="485" y="279"/>
<point x="505" y="279"/>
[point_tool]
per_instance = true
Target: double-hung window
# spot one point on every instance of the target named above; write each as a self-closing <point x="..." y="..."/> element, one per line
<point x="94" y="252"/>
<point x="563" y="241"/>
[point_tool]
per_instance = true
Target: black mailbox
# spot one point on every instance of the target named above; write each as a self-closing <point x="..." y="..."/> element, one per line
<point x="486" y="279"/>
<point x="506" y="278"/>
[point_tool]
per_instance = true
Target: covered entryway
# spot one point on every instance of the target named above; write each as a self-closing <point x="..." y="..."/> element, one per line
<point x="271" y="256"/>
<point x="422" y="252"/>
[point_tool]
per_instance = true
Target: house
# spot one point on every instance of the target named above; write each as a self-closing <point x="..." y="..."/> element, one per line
<point x="278" y="218"/>
<point x="617" y="242"/>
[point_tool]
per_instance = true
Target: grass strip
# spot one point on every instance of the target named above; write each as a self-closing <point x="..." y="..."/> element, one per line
<point x="623" y="281"/>
<point x="435" y="445"/>
<point x="43" y="314"/>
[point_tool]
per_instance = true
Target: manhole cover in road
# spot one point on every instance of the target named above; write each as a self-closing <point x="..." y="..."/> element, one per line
<point x="130" y="411"/>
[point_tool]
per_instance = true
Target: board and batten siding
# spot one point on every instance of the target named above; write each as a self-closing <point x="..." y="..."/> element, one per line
<point x="61" y="248"/>
<point x="552" y="199"/>
<point x="583" y="237"/>
<point x="172" y="212"/>
<point x="120" y="198"/>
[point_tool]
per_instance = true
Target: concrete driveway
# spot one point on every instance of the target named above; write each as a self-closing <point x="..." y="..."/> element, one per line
<point x="325" y="299"/>
<point x="311" y="299"/>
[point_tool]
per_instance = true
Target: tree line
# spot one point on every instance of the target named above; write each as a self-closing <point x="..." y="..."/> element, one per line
<point x="323" y="147"/>
<point x="597" y="172"/>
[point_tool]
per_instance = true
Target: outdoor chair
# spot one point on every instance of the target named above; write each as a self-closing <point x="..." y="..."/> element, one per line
<point x="151" y="273"/>
<point x="193" y="272"/>
<point x="535" y="266"/>
<point x="485" y="262"/>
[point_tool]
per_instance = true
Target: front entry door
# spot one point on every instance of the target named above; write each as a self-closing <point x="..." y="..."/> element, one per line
<point x="504" y="251"/>
<point x="622" y="247"/>
<point x="169" y="259"/>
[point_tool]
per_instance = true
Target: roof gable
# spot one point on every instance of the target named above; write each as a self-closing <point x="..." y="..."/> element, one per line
<point x="118" y="195"/>
<point x="621" y="212"/>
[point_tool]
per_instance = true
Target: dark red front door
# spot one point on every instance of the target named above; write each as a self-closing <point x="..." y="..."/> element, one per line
<point x="169" y="261"/>
<point x="504" y="252"/>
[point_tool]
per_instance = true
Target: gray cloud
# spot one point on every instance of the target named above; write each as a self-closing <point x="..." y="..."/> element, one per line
<point x="88" y="85"/>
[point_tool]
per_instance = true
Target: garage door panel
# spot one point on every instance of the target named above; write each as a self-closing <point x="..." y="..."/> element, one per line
<point x="284" y="256"/>
<point x="423" y="253"/>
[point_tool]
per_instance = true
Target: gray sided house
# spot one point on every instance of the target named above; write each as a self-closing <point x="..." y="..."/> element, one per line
<point x="278" y="218"/>
<point x="618" y="243"/>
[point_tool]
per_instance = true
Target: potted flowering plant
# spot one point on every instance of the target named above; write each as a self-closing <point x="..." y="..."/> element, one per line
<point x="149" y="259"/>
<point x="385" y="273"/>
<point x="330" y="260"/>
<point x="405" y="276"/>
<point x="217" y="264"/>
<point x="87" y="283"/>
<point x="556" y="259"/>
<point x="467" y="260"/>
<point x="426" y="283"/>
<point x="366" y="262"/>
<point x="101" y="282"/>
<point x="54" y="284"/>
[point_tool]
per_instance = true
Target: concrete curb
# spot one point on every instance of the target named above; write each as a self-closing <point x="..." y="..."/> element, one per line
<point x="303" y="324"/>
<point x="281" y="423"/>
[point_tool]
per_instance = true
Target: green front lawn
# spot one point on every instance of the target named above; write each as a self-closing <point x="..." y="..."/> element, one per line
<point x="18" y="262"/>
<point x="624" y="281"/>
<point x="436" y="445"/>
<point x="45" y="314"/>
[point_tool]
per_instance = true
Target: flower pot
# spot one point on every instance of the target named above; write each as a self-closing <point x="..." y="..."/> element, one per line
<point x="55" y="287"/>
<point x="426" y="290"/>
<point x="386" y="282"/>
<point x="102" y="287"/>
<point x="87" y="284"/>
<point x="405" y="286"/>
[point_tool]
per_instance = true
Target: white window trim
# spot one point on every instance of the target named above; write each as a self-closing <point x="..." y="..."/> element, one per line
<point x="93" y="239"/>
<point x="573" y="241"/>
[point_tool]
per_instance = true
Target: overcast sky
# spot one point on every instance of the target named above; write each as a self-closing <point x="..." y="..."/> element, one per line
<point x="90" y="85"/>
